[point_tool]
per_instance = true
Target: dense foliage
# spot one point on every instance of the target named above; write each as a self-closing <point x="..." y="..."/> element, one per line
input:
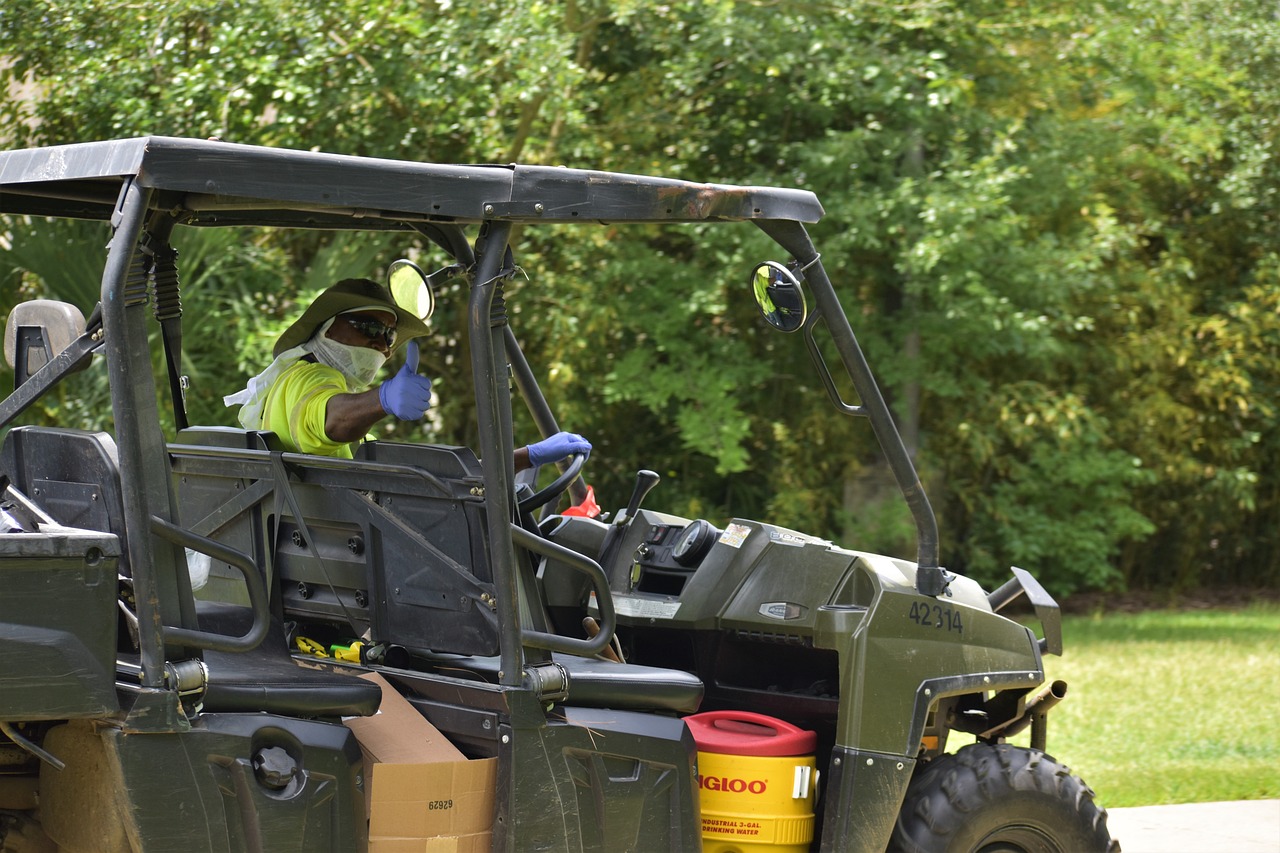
<point x="1054" y="229"/>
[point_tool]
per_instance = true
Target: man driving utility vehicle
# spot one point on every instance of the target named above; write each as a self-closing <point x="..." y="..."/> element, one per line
<point x="316" y="395"/>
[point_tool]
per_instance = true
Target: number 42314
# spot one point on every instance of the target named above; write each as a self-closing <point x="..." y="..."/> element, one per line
<point x="928" y="615"/>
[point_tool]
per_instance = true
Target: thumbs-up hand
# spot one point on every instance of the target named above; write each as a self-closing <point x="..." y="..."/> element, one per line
<point x="406" y="395"/>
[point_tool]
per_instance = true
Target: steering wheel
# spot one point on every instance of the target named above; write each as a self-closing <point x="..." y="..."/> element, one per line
<point x="557" y="487"/>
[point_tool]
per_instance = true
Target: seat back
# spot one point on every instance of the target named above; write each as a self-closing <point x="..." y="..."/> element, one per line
<point x="434" y="585"/>
<point x="391" y="542"/>
<point x="73" y="475"/>
<point x="58" y="586"/>
<point x="224" y="507"/>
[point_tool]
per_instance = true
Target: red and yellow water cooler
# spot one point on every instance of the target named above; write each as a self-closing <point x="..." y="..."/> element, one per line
<point x="759" y="782"/>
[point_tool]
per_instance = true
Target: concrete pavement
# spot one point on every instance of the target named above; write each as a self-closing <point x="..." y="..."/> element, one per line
<point x="1248" y="826"/>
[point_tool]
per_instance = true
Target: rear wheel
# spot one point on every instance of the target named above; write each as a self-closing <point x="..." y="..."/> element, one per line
<point x="998" y="798"/>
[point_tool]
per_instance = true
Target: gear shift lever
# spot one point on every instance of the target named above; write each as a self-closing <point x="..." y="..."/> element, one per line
<point x="645" y="481"/>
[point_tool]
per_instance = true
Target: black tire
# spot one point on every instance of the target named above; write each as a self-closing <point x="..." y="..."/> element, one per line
<point x="998" y="798"/>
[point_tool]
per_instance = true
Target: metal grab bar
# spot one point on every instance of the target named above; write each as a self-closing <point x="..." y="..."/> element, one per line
<point x="604" y="599"/>
<point x="252" y="638"/>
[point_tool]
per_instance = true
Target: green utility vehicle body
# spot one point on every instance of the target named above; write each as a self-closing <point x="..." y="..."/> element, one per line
<point x="138" y="716"/>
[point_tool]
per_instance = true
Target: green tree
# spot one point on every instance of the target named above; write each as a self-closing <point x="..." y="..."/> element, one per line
<point x="1054" y="229"/>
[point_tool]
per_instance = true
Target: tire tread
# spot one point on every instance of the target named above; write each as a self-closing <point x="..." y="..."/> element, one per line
<point x="960" y="798"/>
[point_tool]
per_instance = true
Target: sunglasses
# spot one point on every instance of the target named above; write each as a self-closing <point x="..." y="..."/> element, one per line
<point x="371" y="328"/>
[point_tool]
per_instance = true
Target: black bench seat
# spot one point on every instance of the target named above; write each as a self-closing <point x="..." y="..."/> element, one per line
<point x="269" y="679"/>
<point x="595" y="683"/>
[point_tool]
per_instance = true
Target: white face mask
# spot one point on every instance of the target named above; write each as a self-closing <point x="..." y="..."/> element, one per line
<point x="358" y="364"/>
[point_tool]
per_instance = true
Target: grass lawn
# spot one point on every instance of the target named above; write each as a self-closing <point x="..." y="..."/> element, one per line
<point x="1170" y="706"/>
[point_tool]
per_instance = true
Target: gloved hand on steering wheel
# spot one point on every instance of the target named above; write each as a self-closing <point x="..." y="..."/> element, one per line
<point x="557" y="447"/>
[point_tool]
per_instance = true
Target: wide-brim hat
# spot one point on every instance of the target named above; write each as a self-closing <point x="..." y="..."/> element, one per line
<point x="347" y="295"/>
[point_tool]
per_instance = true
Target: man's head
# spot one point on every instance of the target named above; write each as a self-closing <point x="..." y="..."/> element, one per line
<point x="357" y="306"/>
<point x="366" y="327"/>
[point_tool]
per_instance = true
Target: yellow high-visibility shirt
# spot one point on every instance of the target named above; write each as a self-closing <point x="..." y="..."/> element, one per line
<point x="295" y="408"/>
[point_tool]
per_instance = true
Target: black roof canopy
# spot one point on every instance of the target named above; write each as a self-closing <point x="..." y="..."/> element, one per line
<point x="220" y="183"/>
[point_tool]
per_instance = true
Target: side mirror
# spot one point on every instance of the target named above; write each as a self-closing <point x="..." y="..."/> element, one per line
<point x="36" y="331"/>
<point x="778" y="293"/>
<point x="411" y="289"/>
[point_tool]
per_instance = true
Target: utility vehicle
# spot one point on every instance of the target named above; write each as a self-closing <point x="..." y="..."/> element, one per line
<point x="138" y="716"/>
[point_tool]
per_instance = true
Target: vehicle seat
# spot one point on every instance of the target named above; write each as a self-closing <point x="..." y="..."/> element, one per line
<point x="73" y="475"/>
<point x="595" y="683"/>
<point x="270" y="679"/>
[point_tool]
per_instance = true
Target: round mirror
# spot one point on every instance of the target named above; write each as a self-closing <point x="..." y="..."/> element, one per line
<point x="778" y="293"/>
<point x="410" y="289"/>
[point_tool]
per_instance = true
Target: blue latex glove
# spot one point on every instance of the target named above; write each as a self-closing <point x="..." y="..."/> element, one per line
<point x="557" y="447"/>
<point x="406" y="395"/>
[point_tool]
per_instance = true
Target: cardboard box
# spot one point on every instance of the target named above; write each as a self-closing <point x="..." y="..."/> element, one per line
<point x="429" y="845"/>
<point x="424" y="796"/>
<point x="445" y="811"/>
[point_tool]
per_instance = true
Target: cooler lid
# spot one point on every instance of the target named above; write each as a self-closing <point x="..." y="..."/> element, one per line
<point x="748" y="733"/>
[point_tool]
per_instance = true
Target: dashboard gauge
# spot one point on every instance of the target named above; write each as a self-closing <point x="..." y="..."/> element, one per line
<point x="693" y="543"/>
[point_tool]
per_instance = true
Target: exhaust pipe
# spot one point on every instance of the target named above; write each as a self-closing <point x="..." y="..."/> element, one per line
<point x="1034" y="712"/>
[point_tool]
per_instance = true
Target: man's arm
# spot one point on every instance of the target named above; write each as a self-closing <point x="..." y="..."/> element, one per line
<point x="349" y="417"/>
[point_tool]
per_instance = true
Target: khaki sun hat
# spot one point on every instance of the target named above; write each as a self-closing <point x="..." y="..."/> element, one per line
<point x="347" y="295"/>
